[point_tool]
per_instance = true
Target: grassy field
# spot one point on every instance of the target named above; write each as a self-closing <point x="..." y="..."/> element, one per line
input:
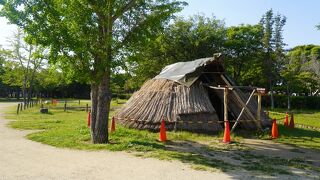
<point x="300" y="137"/>
<point x="305" y="117"/>
<point x="204" y="152"/>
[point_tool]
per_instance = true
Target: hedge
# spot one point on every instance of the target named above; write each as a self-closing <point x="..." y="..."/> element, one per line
<point x="297" y="102"/>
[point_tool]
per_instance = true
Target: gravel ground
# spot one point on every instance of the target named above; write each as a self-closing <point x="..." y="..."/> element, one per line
<point x="24" y="159"/>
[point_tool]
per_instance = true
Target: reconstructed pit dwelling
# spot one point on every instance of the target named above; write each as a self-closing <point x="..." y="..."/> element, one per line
<point x="195" y="96"/>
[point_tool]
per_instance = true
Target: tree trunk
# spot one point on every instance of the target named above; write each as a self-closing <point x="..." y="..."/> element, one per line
<point x="271" y="94"/>
<point x="288" y="94"/>
<point x="24" y="87"/>
<point x="100" y="98"/>
<point x="31" y="85"/>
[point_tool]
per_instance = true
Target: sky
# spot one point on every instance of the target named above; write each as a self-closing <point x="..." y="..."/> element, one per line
<point x="302" y="16"/>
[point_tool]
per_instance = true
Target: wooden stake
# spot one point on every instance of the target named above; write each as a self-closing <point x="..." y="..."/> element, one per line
<point x="18" y="108"/>
<point x="225" y="103"/>
<point x="259" y="107"/>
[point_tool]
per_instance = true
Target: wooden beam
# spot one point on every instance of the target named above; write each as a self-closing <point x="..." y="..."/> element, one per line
<point x="240" y="100"/>
<point x="214" y="87"/>
<point x="242" y="110"/>
<point x="213" y="72"/>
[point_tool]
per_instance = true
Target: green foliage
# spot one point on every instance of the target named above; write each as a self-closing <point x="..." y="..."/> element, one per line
<point x="13" y="74"/>
<point x="49" y="79"/>
<point x="183" y="40"/>
<point x="297" y="102"/>
<point x="243" y="54"/>
<point x="272" y="26"/>
<point x="81" y="34"/>
<point x="302" y="69"/>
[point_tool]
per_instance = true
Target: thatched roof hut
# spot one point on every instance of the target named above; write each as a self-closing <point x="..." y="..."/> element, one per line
<point x="181" y="94"/>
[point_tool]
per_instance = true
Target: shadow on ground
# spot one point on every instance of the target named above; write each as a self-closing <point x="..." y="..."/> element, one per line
<point x="250" y="158"/>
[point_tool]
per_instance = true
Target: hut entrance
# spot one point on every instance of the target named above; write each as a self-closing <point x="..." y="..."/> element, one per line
<point x="218" y="104"/>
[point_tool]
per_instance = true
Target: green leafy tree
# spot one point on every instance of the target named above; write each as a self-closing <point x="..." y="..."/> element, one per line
<point x="272" y="40"/>
<point x="22" y="62"/>
<point x="243" y="49"/>
<point x="49" y="79"/>
<point x="3" y="54"/>
<point x="301" y="70"/>
<point x="183" y="40"/>
<point x="89" y="38"/>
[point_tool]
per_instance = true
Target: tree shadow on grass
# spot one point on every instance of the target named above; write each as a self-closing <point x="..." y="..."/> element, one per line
<point x="298" y="136"/>
<point x="229" y="158"/>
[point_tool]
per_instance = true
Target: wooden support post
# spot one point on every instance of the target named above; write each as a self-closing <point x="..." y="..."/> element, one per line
<point x="225" y="103"/>
<point x="79" y="101"/>
<point x="259" y="107"/>
<point x="239" y="98"/>
<point x="65" y="106"/>
<point x="242" y="110"/>
<point x="87" y="108"/>
<point x="18" y="108"/>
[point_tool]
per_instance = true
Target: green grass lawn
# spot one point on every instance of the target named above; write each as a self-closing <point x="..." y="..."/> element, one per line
<point x="69" y="130"/>
<point x="299" y="136"/>
<point x="305" y="117"/>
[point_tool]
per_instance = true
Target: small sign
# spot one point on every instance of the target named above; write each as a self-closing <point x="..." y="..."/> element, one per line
<point x="261" y="91"/>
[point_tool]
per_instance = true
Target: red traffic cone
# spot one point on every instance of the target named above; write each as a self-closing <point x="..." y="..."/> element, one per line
<point x="291" y="124"/>
<point x="286" y="120"/>
<point x="113" y="125"/>
<point x="226" y="136"/>
<point x="274" y="131"/>
<point x="89" y="118"/>
<point x="163" y="135"/>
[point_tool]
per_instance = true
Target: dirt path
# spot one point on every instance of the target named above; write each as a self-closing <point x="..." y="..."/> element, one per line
<point x="24" y="159"/>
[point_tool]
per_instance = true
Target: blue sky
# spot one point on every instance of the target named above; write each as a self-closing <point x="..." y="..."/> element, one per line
<point x="302" y="16"/>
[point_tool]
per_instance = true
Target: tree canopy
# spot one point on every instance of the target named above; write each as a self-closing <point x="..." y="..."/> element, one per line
<point x="86" y="39"/>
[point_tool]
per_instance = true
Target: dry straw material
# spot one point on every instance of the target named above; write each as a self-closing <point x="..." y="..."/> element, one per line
<point x="182" y="98"/>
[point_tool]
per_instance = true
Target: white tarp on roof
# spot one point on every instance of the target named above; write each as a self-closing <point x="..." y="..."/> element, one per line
<point x="185" y="73"/>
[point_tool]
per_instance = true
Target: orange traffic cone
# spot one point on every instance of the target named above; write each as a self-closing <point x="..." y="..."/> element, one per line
<point x="89" y="118"/>
<point x="286" y="120"/>
<point x="113" y="125"/>
<point x="291" y="124"/>
<point x="274" y="132"/>
<point x="226" y="136"/>
<point x="163" y="135"/>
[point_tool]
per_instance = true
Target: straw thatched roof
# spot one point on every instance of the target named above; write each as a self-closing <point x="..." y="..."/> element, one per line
<point x="179" y="95"/>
